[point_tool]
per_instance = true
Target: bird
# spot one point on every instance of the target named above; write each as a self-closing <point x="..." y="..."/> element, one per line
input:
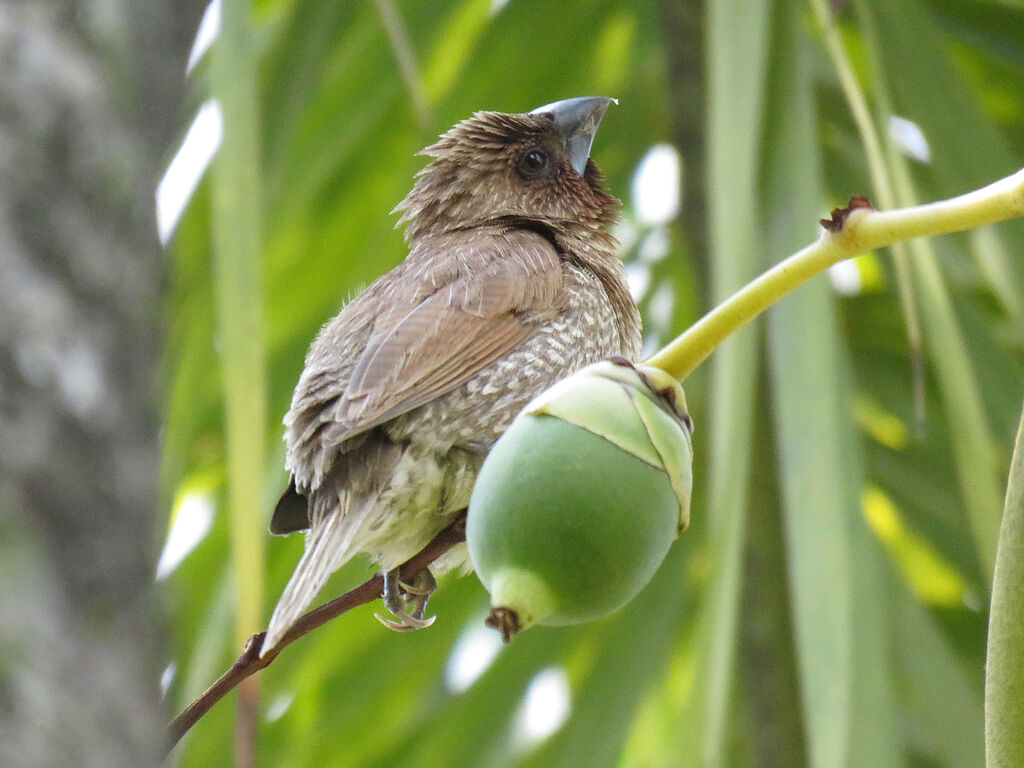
<point x="511" y="282"/>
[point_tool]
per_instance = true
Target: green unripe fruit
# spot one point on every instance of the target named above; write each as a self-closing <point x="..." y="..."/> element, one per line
<point x="575" y="506"/>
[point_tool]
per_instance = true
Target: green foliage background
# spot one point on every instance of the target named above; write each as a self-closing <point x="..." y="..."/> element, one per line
<point x="828" y="606"/>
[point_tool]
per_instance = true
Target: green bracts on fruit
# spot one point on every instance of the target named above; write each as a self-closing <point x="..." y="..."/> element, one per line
<point x="579" y="501"/>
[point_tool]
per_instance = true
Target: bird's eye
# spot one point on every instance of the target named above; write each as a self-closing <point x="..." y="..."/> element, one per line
<point x="533" y="163"/>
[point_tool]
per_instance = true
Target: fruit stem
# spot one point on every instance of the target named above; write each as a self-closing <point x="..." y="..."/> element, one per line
<point x="519" y="599"/>
<point x="859" y="231"/>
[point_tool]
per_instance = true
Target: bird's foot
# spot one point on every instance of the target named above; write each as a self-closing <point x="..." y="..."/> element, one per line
<point x="397" y="595"/>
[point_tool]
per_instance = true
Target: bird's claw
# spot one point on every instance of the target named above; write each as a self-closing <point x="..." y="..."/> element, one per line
<point x="424" y="585"/>
<point x="397" y="594"/>
<point x="405" y="622"/>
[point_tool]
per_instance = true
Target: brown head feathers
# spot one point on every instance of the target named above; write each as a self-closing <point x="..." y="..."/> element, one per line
<point x="496" y="166"/>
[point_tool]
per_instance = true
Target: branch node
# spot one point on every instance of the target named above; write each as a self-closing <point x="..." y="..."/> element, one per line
<point x="840" y="215"/>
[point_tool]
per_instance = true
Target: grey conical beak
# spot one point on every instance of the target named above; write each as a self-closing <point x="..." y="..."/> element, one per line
<point x="577" y="120"/>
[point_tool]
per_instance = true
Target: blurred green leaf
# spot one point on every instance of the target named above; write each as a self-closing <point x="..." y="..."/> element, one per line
<point x="818" y="463"/>
<point x="1004" y="675"/>
<point x="737" y="43"/>
<point x="237" y="283"/>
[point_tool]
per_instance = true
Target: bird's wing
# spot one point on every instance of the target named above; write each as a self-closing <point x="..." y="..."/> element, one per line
<point x="458" y="308"/>
<point x="492" y="293"/>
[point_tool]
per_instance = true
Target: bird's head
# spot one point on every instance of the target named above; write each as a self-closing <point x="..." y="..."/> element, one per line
<point x="530" y="167"/>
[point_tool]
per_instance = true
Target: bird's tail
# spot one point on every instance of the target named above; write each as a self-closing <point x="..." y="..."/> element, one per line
<point x="328" y="547"/>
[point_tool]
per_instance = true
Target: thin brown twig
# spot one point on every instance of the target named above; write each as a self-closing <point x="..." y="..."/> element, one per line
<point x="250" y="661"/>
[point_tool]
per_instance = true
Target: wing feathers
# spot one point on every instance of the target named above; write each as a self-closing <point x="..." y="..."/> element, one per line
<point x="454" y="306"/>
<point x="458" y="329"/>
